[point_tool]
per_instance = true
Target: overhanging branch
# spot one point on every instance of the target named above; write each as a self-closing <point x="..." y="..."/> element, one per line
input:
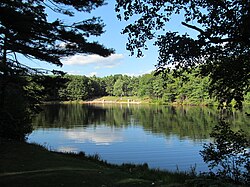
<point x="193" y="27"/>
<point x="215" y="40"/>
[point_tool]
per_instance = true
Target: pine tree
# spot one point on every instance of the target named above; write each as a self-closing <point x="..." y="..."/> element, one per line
<point x="26" y="30"/>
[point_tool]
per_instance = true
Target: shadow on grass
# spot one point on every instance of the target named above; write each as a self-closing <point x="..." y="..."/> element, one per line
<point x="23" y="164"/>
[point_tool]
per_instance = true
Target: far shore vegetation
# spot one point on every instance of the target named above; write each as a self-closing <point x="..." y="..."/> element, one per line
<point x="147" y="88"/>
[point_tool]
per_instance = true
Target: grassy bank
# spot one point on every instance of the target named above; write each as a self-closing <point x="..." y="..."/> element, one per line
<point x="107" y="100"/>
<point x="114" y="99"/>
<point x="136" y="100"/>
<point x="23" y="164"/>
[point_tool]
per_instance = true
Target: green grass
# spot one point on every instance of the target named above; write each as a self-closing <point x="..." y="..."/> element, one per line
<point x="23" y="164"/>
<point x="29" y="165"/>
<point x="121" y="99"/>
<point x="112" y="99"/>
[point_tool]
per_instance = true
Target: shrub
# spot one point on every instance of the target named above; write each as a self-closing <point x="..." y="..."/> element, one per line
<point x="228" y="155"/>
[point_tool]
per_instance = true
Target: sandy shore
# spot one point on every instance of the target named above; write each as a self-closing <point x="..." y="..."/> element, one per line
<point x="99" y="101"/>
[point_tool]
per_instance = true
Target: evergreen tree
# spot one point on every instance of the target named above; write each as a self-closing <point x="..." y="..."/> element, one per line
<point x="25" y="30"/>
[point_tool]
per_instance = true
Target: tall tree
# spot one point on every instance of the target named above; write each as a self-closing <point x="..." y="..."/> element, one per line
<point x="222" y="44"/>
<point x="26" y="30"/>
<point x="77" y="88"/>
<point x="145" y="85"/>
<point x="109" y="84"/>
<point x="119" y="87"/>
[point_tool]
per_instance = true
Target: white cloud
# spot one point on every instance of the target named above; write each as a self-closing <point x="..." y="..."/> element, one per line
<point x="99" y="136"/>
<point x="97" y="60"/>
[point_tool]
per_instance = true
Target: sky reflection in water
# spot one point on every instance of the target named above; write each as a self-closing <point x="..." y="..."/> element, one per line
<point x="164" y="137"/>
<point x="118" y="145"/>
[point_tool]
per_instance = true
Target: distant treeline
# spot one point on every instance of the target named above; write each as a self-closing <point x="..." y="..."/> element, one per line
<point x="192" y="89"/>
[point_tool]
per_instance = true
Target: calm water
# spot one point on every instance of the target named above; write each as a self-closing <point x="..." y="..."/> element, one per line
<point x="164" y="137"/>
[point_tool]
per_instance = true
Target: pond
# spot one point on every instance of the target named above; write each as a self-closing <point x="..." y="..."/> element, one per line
<point x="165" y="137"/>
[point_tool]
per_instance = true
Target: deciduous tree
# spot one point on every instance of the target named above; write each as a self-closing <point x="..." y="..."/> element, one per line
<point x="221" y="47"/>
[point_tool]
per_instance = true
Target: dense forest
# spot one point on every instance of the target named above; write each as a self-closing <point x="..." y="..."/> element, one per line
<point x="192" y="89"/>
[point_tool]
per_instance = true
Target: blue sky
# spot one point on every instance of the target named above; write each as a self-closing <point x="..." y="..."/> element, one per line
<point x="119" y="63"/>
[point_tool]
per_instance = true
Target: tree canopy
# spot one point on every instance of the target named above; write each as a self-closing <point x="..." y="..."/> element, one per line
<point x="221" y="47"/>
<point x="25" y="29"/>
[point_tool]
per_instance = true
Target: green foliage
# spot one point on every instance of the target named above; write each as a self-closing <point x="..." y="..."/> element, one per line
<point x="193" y="90"/>
<point x="109" y="82"/>
<point x="145" y="85"/>
<point x="119" y="88"/>
<point x="247" y="97"/>
<point x="229" y="154"/>
<point x="221" y="44"/>
<point x="19" y="96"/>
<point x="53" y="87"/>
<point x="77" y="88"/>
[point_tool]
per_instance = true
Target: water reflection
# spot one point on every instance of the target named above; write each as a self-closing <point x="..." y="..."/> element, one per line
<point x="192" y="122"/>
<point x="162" y="136"/>
<point x="99" y="135"/>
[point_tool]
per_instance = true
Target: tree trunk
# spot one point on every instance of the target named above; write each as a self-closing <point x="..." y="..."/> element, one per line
<point x="4" y="75"/>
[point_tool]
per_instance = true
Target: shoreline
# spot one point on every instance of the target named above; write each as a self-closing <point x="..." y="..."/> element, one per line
<point x="22" y="162"/>
<point x="125" y="100"/>
<point x="131" y="100"/>
<point x="37" y="163"/>
<point x="109" y="102"/>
